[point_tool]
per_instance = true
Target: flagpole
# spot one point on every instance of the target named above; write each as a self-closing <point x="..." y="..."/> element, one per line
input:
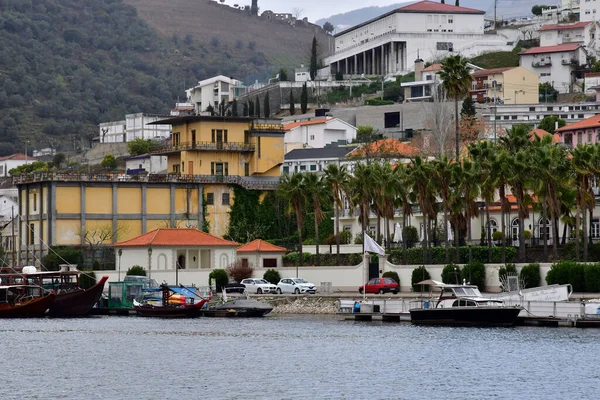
<point x="365" y="267"/>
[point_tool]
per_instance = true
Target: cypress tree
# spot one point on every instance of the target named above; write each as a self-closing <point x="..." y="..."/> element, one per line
<point x="468" y="108"/>
<point x="313" y="59"/>
<point x="250" y="108"/>
<point x="267" y="106"/>
<point x="245" y="109"/>
<point x="257" y="107"/>
<point x="234" y="108"/>
<point x="304" y="99"/>
<point x="292" y="105"/>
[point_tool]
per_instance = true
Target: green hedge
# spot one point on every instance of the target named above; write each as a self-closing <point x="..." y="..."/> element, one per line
<point x="570" y="272"/>
<point x="272" y="276"/>
<point x="326" y="260"/>
<point x="507" y="269"/>
<point x="419" y="274"/>
<point x="530" y="275"/>
<point x="376" y="101"/>
<point x="474" y="273"/>
<point x="393" y="275"/>
<point x="451" y="274"/>
<point x="437" y="255"/>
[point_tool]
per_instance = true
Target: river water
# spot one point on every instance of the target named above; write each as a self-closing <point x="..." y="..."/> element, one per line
<point x="292" y="357"/>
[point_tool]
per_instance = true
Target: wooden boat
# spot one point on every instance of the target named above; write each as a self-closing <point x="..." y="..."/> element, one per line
<point x="463" y="305"/>
<point x="172" y="304"/>
<point x="71" y="300"/>
<point x="24" y="301"/>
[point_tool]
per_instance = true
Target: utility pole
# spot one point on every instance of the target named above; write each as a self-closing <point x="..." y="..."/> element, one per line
<point x="495" y="111"/>
<point x="495" y="7"/>
<point x="12" y="238"/>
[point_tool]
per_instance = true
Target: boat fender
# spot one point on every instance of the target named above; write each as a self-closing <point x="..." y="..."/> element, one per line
<point x="356" y="308"/>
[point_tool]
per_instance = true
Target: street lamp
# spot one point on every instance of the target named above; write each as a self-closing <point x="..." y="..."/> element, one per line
<point x="120" y="254"/>
<point x="150" y="262"/>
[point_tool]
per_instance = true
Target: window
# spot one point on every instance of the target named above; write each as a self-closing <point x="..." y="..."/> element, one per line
<point x="313" y="167"/>
<point x="347" y="228"/>
<point x="595" y="228"/>
<point x="225" y="199"/>
<point x="31" y="233"/>
<point x="182" y="166"/>
<point x="312" y="137"/>
<point x="450" y="20"/>
<point x="493" y="226"/>
<point x="210" y="199"/>
<point x="531" y="108"/>
<point x="286" y="170"/>
<point x="303" y="168"/>
<point x="541" y="232"/>
<point x="1" y="169"/>
<point x="35" y="202"/>
<point x="515" y="229"/>
<point x="247" y="169"/>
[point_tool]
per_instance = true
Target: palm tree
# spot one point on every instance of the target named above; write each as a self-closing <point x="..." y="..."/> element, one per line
<point x="423" y="192"/>
<point x="316" y="192"/>
<point x="456" y="80"/>
<point x="402" y="200"/>
<point x="336" y="177"/>
<point x="361" y="192"/>
<point x="291" y="189"/>
<point x="583" y="161"/>
<point x="442" y="178"/>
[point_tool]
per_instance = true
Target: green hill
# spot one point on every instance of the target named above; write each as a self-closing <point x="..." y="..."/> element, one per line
<point x="499" y="59"/>
<point x="67" y="65"/>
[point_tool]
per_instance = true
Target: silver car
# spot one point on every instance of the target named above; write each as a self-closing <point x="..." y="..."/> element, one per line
<point x="296" y="286"/>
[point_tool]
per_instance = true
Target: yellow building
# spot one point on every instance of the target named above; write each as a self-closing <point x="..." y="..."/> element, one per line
<point x="512" y="85"/>
<point x="207" y="156"/>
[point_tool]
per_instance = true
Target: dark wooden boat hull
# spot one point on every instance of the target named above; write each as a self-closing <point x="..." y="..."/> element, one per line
<point x="234" y="313"/>
<point x="77" y="303"/>
<point x="187" y="311"/>
<point x="35" y="308"/>
<point x="466" y="316"/>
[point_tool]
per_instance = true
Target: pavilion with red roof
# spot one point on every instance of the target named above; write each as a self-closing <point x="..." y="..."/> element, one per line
<point x="262" y="254"/>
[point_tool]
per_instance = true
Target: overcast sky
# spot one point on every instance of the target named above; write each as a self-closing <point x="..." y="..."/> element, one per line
<point x="316" y="9"/>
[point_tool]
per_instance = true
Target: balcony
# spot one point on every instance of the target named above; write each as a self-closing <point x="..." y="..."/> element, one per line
<point x="204" y="146"/>
<point x="267" y="126"/>
<point x="571" y="61"/>
<point x="247" y="182"/>
<point x="541" y="64"/>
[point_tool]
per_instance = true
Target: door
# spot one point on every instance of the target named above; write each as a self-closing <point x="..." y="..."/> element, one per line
<point x="373" y="270"/>
<point x="193" y="139"/>
<point x="191" y="167"/>
<point x="181" y="262"/>
<point x="219" y="139"/>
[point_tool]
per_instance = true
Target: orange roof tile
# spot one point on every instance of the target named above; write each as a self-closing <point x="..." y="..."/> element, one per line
<point x="260" y="246"/>
<point x="512" y="200"/>
<point x="169" y="237"/>
<point x="386" y="147"/>
<point x="18" y="157"/>
<point x="552" y="49"/>
<point x="433" y="67"/>
<point x="493" y="71"/>
<point x="292" y="125"/>
<point x="591" y="122"/>
<point x="436" y="6"/>
<point x="564" y="27"/>
<point x="541" y="133"/>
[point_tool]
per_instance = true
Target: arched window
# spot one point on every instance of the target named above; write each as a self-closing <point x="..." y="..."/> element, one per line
<point x="224" y="261"/>
<point x="547" y="233"/>
<point x="493" y="225"/>
<point x="514" y="229"/>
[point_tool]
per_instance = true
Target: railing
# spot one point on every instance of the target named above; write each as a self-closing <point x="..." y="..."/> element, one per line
<point x="205" y="146"/>
<point x="569" y="62"/>
<point x="245" y="182"/>
<point x="541" y="64"/>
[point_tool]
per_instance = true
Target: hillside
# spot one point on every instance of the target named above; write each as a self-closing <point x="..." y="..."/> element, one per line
<point x="207" y="20"/>
<point x="67" y="65"/>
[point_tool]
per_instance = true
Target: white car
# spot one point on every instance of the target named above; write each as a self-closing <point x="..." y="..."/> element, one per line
<point x="296" y="286"/>
<point x="258" y="286"/>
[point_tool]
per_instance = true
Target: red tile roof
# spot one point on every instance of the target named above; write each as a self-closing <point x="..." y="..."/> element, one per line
<point x="437" y="7"/>
<point x="170" y="237"/>
<point x="292" y="125"/>
<point x="18" y="157"/>
<point x="492" y="71"/>
<point x="563" y="27"/>
<point x="541" y="133"/>
<point x="513" y="203"/>
<point x="559" y="48"/>
<point x="260" y="246"/>
<point x="386" y="147"/>
<point x="591" y="122"/>
<point x="433" y="67"/>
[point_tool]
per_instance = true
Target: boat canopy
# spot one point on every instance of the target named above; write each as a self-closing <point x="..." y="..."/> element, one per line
<point x="184" y="291"/>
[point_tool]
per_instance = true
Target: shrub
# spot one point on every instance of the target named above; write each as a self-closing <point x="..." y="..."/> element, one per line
<point x="238" y="270"/>
<point x="136" y="270"/>
<point x="378" y="102"/>
<point x="293" y="259"/>
<point x="272" y="276"/>
<point x="345" y="237"/>
<point x="474" y="273"/>
<point x="393" y="275"/>
<point x="330" y="240"/>
<point x="96" y="265"/>
<point x="358" y="239"/>
<point x="530" y="275"/>
<point x="503" y="272"/>
<point x="410" y="235"/>
<point x="62" y="255"/>
<point x="419" y="274"/>
<point x="220" y="278"/>
<point x="591" y="274"/>
<point x="567" y="272"/>
<point x="414" y="256"/>
<point x="451" y="274"/>
<point x="87" y="279"/>
<point x="309" y="241"/>
<point x="497" y="236"/>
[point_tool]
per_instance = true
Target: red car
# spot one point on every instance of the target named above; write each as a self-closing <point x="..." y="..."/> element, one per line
<point x="380" y="285"/>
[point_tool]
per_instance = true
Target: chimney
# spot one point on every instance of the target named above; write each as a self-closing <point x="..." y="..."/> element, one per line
<point x="419" y="66"/>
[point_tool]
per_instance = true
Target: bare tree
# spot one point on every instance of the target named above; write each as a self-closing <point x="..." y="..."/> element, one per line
<point x="297" y="12"/>
<point x="438" y="118"/>
<point x="99" y="236"/>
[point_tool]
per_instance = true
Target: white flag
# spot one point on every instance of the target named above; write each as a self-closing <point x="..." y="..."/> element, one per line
<point x="372" y="246"/>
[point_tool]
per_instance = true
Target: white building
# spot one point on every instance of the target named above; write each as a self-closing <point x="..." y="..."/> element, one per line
<point x="146" y="163"/>
<point x="387" y="45"/>
<point x="302" y="74"/>
<point x="556" y="64"/>
<point x="583" y="33"/>
<point x="13" y="161"/>
<point x="9" y="208"/>
<point x="135" y="126"/>
<point x="589" y="10"/>
<point x="566" y="7"/>
<point x="314" y="160"/>
<point x="210" y="92"/>
<point x="318" y="133"/>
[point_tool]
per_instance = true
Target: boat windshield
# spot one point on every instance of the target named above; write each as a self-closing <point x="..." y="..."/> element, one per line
<point x="466" y="291"/>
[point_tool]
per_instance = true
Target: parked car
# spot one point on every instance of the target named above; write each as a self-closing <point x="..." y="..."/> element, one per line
<point x="296" y="286"/>
<point x="234" y="287"/>
<point x="380" y="285"/>
<point x="258" y="286"/>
